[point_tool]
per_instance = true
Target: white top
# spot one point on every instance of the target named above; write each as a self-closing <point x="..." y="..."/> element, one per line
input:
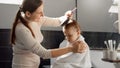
<point x="74" y="60"/>
<point x="27" y="49"/>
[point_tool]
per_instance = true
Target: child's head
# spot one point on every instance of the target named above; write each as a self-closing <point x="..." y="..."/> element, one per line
<point x="72" y="31"/>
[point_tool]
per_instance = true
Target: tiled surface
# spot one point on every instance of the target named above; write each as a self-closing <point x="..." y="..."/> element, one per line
<point x="5" y="65"/>
<point x="5" y="54"/>
<point x="52" y="39"/>
<point x="4" y="35"/>
<point x="5" y="49"/>
<point x="96" y="39"/>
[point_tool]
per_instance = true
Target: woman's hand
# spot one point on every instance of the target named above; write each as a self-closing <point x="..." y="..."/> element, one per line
<point x="69" y="14"/>
<point x="78" y="47"/>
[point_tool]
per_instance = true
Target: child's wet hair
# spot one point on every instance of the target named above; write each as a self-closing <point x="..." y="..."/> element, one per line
<point x="73" y="24"/>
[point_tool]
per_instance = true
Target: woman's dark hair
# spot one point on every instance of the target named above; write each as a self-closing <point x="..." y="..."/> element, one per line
<point x="27" y="5"/>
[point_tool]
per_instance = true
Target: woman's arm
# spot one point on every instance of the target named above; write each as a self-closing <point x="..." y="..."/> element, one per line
<point x="52" y="22"/>
<point x="60" y="51"/>
<point x="78" y="47"/>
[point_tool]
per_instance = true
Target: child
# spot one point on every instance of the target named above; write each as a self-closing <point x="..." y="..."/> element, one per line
<point x="72" y="33"/>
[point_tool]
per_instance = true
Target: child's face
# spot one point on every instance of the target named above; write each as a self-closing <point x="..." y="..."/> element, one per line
<point x="71" y="34"/>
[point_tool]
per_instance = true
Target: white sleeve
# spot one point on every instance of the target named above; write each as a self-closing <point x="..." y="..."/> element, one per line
<point x="29" y="43"/>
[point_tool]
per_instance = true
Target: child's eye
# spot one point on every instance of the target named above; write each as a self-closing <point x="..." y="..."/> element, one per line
<point x="69" y="36"/>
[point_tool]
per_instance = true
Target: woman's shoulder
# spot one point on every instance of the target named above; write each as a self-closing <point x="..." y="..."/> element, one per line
<point x="21" y="27"/>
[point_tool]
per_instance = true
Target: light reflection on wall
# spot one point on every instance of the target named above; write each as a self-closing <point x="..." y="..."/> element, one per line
<point x="16" y="2"/>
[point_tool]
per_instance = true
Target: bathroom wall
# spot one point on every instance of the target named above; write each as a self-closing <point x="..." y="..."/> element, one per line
<point x="93" y="15"/>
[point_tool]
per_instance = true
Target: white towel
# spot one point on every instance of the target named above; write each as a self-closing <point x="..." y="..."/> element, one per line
<point x="74" y="60"/>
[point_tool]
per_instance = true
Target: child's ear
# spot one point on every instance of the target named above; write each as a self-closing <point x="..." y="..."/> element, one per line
<point x="78" y="31"/>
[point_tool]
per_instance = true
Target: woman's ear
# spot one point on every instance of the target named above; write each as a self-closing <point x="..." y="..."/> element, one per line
<point x="28" y="14"/>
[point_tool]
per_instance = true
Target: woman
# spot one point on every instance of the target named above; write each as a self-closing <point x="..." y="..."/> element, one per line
<point x="26" y="36"/>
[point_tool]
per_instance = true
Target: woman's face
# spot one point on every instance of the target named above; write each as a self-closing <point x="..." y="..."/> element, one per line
<point x="35" y="16"/>
<point x="71" y="34"/>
